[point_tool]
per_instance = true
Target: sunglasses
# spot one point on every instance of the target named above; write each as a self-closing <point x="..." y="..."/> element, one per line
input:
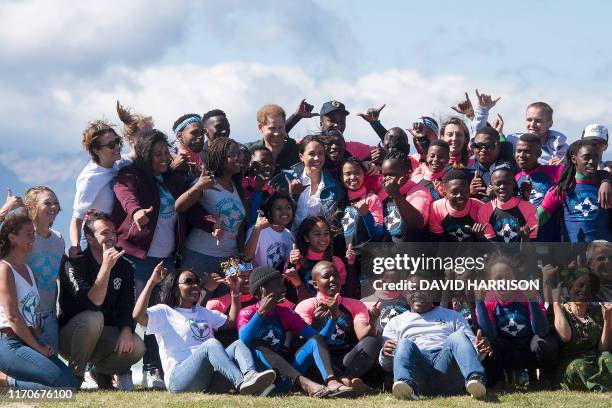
<point x="190" y="281"/>
<point x="111" y="145"/>
<point x="480" y="146"/>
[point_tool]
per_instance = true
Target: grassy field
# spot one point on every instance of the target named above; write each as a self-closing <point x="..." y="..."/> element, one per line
<point x="166" y="399"/>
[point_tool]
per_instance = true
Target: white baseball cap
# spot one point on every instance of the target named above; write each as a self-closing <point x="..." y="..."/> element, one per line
<point x="595" y="131"/>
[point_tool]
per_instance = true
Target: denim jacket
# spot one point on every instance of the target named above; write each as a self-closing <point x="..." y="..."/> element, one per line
<point x="332" y="194"/>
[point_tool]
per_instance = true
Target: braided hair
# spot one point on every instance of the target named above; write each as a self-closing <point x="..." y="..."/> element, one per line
<point x="216" y="157"/>
<point x="567" y="180"/>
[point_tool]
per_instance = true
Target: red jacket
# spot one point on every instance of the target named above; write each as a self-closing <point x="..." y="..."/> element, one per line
<point x="135" y="190"/>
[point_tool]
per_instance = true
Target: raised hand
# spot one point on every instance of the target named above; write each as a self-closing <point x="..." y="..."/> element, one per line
<point x="486" y="101"/>
<point x="110" y="255"/>
<point x="362" y="207"/>
<point x="333" y="305"/>
<point x="304" y="110"/>
<point x="212" y="281"/>
<point x="377" y="154"/>
<point x="351" y="255"/>
<point x="465" y="107"/>
<point x="372" y="114"/>
<point x="295" y="256"/>
<point x="180" y="162"/>
<point x="375" y="311"/>
<point x="498" y="124"/>
<point x="206" y="179"/>
<point x="233" y="282"/>
<point x="526" y="188"/>
<point x="159" y="273"/>
<point x="141" y="217"/>
<point x="262" y="222"/>
<point x="11" y="203"/>
<point x="392" y="186"/>
<point x="267" y="302"/>
<point x="417" y="130"/>
<point x="292" y="276"/>
<point x="606" y="310"/>
<point x="477" y="186"/>
<point x="295" y="186"/>
<point x="321" y="311"/>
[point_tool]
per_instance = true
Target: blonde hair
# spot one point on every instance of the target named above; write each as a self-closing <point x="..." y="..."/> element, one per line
<point x="132" y="123"/>
<point x="269" y="111"/>
<point x="30" y="200"/>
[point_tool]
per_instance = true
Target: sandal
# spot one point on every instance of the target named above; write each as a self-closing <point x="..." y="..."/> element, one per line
<point x="342" y="392"/>
<point x="322" y="392"/>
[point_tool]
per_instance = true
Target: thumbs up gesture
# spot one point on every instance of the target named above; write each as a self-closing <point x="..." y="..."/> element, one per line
<point x="141" y="217"/>
<point x="351" y="255"/>
<point x="295" y="256"/>
<point x="477" y="186"/>
<point x="11" y="203"/>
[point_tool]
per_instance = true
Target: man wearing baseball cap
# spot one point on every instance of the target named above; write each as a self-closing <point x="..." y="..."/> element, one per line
<point x="597" y="133"/>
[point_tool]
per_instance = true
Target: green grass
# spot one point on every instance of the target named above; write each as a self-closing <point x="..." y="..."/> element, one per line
<point x="151" y="399"/>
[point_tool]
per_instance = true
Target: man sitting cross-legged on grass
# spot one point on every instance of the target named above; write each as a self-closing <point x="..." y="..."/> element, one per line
<point x="432" y="350"/>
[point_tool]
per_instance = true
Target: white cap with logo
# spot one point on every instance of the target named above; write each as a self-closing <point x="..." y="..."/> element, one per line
<point x="596" y="131"/>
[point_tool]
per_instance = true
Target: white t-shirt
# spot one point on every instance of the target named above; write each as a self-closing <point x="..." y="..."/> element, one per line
<point x="428" y="331"/>
<point x="179" y="332"/>
<point x="273" y="248"/>
<point x="27" y="298"/>
<point x="162" y="245"/>
<point x="308" y="205"/>
<point x="227" y="208"/>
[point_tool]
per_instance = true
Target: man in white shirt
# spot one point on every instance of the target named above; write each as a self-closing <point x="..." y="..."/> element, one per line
<point x="432" y="350"/>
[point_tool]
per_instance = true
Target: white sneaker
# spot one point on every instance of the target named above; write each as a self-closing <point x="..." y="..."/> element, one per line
<point x="402" y="390"/>
<point x="89" y="383"/>
<point x="476" y="388"/>
<point x="124" y="382"/>
<point x="255" y="383"/>
<point x="155" y="381"/>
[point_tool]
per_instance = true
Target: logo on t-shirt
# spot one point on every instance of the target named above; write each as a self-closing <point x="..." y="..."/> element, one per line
<point x="199" y="329"/>
<point x="27" y="306"/>
<point x="583" y="205"/>
<point x="348" y="221"/>
<point x="275" y="255"/>
<point x="393" y="220"/>
<point x="272" y="335"/>
<point x="507" y="229"/>
<point x="388" y="313"/>
<point x="457" y="231"/>
<point x="230" y="214"/>
<point x="512" y="325"/>
<point x="117" y="283"/>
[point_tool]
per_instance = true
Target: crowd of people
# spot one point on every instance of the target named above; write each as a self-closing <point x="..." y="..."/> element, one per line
<point x="242" y="262"/>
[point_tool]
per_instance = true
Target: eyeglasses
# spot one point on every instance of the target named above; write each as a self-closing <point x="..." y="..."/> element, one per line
<point x="111" y="145"/>
<point x="486" y="146"/>
<point x="190" y="281"/>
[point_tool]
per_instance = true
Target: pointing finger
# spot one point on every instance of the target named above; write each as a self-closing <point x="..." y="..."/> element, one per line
<point x="9" y="192"/>
<point x="382" y="107"/>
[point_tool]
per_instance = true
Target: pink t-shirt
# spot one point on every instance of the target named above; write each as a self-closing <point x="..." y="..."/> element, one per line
<point x="192" y="156"/>
<point x="553" y="172"/>
<point x="416" y="195"/>
<point x="374" y="203"/>
<point x="528" y="211"/>
<point x="222" y="304"/>
<point x="360" y="151"/>
<point x="290" y="320"/>
<point x="357" y="309"/>
<point x="318" y="256"/>
<point x="492" y="299"/>
<point x="440" y="209"/>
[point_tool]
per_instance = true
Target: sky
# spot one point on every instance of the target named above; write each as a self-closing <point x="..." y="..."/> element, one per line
<point x="65" y="63"/>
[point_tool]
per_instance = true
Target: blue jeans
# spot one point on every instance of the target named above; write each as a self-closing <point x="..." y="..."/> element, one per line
<point x="200" y="263"/>
<point x="437" y="372"/>
<point x="49" y="330"/>
<point x="143" y="268"/>
<point x="196" y="372"/>
<point x="29" y="369"/>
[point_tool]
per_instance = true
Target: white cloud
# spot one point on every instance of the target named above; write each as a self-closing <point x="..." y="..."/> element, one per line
<point x="47" y="36"/>
<point x="44" y="169"/>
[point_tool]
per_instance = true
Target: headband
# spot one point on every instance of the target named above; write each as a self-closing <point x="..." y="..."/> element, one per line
<point x="240" y="268"/>
<point x="187" y="122"/>
<point x="431" y="124"/>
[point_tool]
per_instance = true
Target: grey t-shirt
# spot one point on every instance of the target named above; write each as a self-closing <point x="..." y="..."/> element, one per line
<point x="44" y="260"/>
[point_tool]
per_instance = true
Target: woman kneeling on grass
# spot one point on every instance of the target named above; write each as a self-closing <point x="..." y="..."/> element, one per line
<point x="190" y="354"/>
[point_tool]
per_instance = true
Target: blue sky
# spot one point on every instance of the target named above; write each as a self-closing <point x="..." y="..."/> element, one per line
<point x="65" y="63"/>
